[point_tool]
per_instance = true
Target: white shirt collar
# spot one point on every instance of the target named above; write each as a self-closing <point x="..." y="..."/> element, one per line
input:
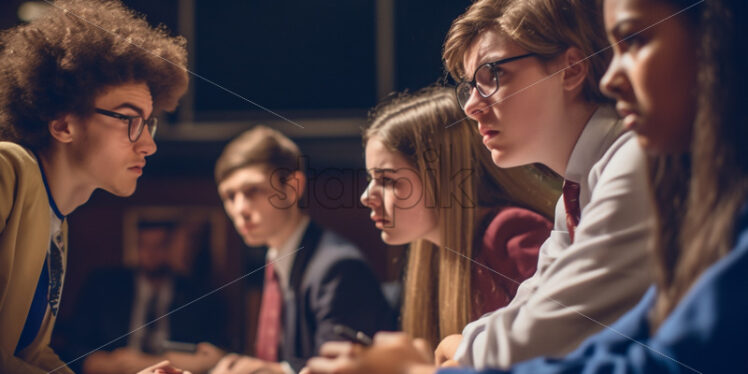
<point x="599" y="133"/>
<point x="283" y="256"/>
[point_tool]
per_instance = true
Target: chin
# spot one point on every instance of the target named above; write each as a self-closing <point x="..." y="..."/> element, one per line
<point x="651" y="147"/>
<point x="122" y="191"/>
<point x="503" y="160"/>
<point x="254" y="241"/>
<point x="646" y="144"/>
<point x="389" y="239"/>
<point x="655" y="148"/>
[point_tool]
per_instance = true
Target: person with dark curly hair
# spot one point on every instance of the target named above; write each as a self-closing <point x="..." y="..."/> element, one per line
<point x="80" y="88"/>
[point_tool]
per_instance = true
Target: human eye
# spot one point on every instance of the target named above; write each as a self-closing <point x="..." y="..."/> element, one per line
<point x="630" y="41"/>
<point x="381" y="179"/>
<point x="251" y="191"/>
<point x="486" y="74"/>
<point x="387" y="181"/>
<point x="228" y="196"/>
<point x="498" y="72"/>
<point x="628" y="38"/>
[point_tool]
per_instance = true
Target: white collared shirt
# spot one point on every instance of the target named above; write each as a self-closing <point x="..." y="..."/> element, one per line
<point x="593" y="281"/>
<point x="283" y="256"/>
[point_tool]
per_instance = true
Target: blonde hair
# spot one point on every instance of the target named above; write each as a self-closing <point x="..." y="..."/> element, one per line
<point x="431" y="132"/>
<point x="544" y="27"/>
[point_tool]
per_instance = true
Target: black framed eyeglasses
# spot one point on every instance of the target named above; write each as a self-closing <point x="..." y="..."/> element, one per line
<point x="485" y="80"/>
<point x="135" y="124"/>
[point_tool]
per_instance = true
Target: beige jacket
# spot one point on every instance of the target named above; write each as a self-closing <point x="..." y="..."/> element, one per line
<point x="24" y="241"/>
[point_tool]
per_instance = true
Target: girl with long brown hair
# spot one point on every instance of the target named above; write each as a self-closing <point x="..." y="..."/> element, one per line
<point x="528" y="74"/>
<point x="474" y="230"/>
<point x="679" y="79"/>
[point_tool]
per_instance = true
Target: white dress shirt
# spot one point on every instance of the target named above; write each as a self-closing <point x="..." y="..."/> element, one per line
<point x="578" y="288"/>
<point x="283" y="256"/>
<point x="282" y="259"/>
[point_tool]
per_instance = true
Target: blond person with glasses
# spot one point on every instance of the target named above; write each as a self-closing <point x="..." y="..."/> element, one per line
<point x="681" y="85"/>
<point x="77" y="113"/>
<point x="529" y="74"/>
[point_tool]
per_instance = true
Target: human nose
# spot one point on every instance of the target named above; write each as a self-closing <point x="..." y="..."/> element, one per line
<point x="241" y="205"/>
<point x="474" y="105"/>
<point x="369" y="197"/>
<point x="613" y="82"/>
<point x="145" y="144"/>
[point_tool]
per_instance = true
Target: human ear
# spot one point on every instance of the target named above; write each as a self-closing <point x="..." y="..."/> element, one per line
<point x="575" y="69"/>
<point x="297" y="180"/>
<point x="61" y="129"/>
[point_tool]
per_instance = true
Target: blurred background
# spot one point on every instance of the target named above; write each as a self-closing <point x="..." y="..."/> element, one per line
<point x="311" y="69"/>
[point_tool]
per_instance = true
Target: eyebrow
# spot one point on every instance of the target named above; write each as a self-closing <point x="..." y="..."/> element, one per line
<point x="488" y="59"/>
<point x="240" y="187"/>
<point x="616" y="30"/>
<point x="481" y="62"/>
<point x="131" y="106"/>
<point x="378" y="170"/>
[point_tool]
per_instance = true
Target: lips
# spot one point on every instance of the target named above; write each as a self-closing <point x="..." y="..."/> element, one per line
<point x="629" y="115"/>
<point x="487" y="133"/>
<point x="379" y="222"/>
<point x="247" y="228"/>
<point x="137" y="168"/>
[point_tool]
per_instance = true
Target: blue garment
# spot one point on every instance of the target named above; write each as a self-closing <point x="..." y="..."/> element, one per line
<point x="42" y="295"/>
<point x="705" y="333"/>
<point x="36" y="312"/>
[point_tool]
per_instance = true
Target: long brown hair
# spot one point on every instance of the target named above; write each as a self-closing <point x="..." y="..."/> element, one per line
<point x="710" y="186"/>
<point x="432" y="133"/>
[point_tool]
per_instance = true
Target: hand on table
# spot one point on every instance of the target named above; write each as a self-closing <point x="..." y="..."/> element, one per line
<point x="446" y="350"/>
<point x="236" y="364"/>
<point x="119" y="361"/>
<point x="391" y="353"/>
<point x="163" y="367"/>
<point x="206" y="357"/>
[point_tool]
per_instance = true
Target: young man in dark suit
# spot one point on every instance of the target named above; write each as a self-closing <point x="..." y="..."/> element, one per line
<point x="314" y="279"/>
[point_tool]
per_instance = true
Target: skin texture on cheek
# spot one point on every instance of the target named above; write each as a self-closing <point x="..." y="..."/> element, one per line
<point x="247" y="194"/>
<point x="653" y="73"/>
<point x="101" y="149"/>
<point x="519" y="121"/>
<point x="395" y="196"/>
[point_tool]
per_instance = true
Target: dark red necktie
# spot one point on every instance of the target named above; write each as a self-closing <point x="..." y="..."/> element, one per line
<point x="269" y="329"/>
<point x="571" y="203"/>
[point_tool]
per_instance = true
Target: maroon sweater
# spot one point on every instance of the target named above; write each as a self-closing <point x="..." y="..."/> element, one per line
<point x="508" y="252"/>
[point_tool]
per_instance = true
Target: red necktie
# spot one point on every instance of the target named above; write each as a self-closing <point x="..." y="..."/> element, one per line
<point x="571" y="203"/>
<point x="269" y="329"/>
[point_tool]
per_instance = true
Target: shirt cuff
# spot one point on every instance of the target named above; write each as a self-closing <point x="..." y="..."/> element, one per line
<point x="287" y="369"/>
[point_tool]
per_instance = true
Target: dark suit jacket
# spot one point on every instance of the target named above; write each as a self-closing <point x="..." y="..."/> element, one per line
<point x="331" y="283"/>
<point x="102" y="314"/>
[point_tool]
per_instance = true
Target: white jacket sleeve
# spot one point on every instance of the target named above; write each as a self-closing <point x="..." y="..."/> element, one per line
<point x="582" y="287"/>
